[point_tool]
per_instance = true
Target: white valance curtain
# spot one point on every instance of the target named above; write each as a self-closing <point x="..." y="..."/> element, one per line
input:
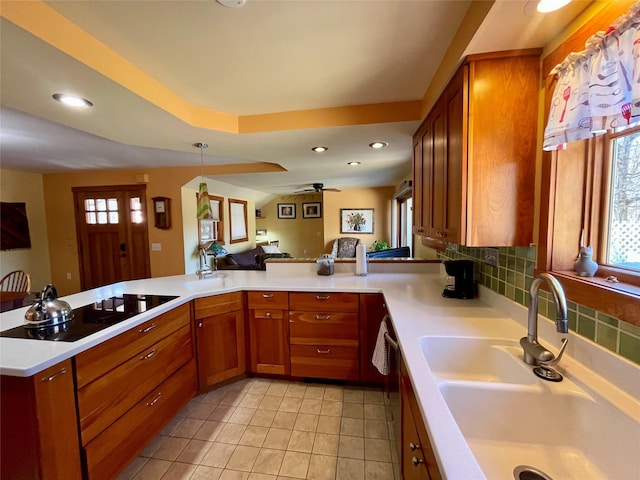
<point x="599" y="88"/>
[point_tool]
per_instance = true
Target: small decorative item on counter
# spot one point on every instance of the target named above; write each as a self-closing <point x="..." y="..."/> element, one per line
<point x="326" y="265"/>
<point x="585" y="266"/>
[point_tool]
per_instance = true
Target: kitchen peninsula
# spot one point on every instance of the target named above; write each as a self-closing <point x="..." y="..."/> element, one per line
<point x="413" y="300"/>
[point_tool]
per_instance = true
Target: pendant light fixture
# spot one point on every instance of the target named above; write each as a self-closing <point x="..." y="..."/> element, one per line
<point x="204" y="211"/>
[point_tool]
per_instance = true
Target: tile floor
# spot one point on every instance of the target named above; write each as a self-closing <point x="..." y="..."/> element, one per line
<point x="259" y="429"/>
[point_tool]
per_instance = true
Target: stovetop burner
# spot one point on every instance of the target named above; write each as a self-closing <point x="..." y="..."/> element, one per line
<point x="90" y="319"/>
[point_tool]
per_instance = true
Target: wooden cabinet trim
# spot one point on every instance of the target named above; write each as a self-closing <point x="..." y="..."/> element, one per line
<point x="218" y="304"/>
<point x="323" y="302"/>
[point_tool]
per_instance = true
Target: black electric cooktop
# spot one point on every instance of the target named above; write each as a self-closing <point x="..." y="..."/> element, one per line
<point x="92" y="318"/>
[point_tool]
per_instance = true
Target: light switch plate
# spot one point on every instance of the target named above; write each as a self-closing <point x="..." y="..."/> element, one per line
<point x="156" y="247"/>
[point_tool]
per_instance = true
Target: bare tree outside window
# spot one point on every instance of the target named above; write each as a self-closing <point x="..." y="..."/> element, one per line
<point x="623" y="246"/>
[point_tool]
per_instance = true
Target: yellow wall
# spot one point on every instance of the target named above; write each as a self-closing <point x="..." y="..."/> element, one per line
<point x="378" y="198"/>
<point x="27" y="187"/>
<point x="300" y="237"/>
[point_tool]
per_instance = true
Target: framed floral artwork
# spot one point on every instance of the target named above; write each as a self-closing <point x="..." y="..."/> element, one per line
<point x="356" y="220"/>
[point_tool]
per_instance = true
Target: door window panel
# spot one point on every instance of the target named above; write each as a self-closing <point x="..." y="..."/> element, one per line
<point x="101" y="211"/>
<point x="136" y="210"/>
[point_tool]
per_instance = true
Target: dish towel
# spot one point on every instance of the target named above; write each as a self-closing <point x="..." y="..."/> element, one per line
<point x="380" y="358"/>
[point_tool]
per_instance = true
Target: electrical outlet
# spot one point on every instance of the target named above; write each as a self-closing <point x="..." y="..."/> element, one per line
<point x="492" y="256"/>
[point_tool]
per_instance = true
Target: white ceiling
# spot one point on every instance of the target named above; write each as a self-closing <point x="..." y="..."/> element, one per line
<point x="266" y="57"/>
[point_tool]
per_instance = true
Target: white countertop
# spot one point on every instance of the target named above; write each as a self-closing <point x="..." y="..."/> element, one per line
<point x="417" y="309"/>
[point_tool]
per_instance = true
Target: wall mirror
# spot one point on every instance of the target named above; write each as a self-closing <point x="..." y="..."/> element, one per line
<point x="238" y="220"/>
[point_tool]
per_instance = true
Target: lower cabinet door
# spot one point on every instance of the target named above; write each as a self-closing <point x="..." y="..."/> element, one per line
<point x="220" y="342"/>
<point x="111" y="451"/>
<point x="269" y="341"/>
<point x="325" y="361"/>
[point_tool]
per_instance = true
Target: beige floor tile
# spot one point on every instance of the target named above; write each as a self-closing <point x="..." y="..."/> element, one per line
<point x="322" y="467"/>
<point x="170" y="448"/>
<point x="284" y="420"/>
<point x="251" y="400"/>
<point x="254" y="436"/>
<point x="377" y="470"/>
<point x="352" y="426"/>
<point x="353" y="395"/>
<point x="328" y="424"/>
<point x="352" y="410"/>
<point x="314" y="392"/>
<point x="374" y="396"/>
<point x="234" y="475"/>
<point x="171" y="426"/>
<point x="309" y="405"/>
<point x="296" y="390"/>
<point x="277" y="438"/>
<point x="306" y="422"/>
<point x="218" y="455"/>
<point x="232" y="398"/>
<point x="206" y="473"/>
<point x="349" y="469"/>
<point x="242" y="415"/>
<point x="259" y="387"/>
<point x="290" y="404"/>
<point x="326" y="444"/>
<point x="153" y="445"/>
<point x="301" y="441"/>
<point x="268" y="461"/>
<point x="231" y="433"/>
<point x="376" y="429"/>
<point x="133" y="468"/>
<point x="187" y="428"/>
<point x="243" y="458"/>
<point x="194" y="451"/>
<point x="201" y="411"/>
<point x="270" y="402"/>
<point x="179" y="471"/>
<point x="295" y="464"/>
<point x="374" y="412"/>
<point x="209" y="431"/>
<point x="222" y="413"/>
<point x="377" y="449"/>
<point x="351" y="447"/>
<point x="212" y="397"/>
<point x="333" y="393"/>
<point x="331" y="408"/>
<point x="261" y="476"/>
<point x="277" y="389"/>
<point x="263" y="418"/>
<point x="153" y="469"/>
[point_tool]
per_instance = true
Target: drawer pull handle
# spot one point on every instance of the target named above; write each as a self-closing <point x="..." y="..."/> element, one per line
<point x="323" y="317"/>
<point x="54" y="376"/>
<point x="148" y="329"/>
<point x="416" y="461"/>
<point x="267" y="295"/>
<point x="148" y="355"/>
<point x="155" y="400"/>
<point x="414" y="446"/>
<point x="268" y="314"/>
<point x="324" y="352"/>
<point x="323" y="297"/>
<point x="199" y="324"/>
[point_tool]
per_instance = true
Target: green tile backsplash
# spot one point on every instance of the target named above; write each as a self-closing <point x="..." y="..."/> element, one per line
<point x="513" y="278"/>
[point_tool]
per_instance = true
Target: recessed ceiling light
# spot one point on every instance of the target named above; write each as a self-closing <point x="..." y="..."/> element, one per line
<point x="545" y="6"/>
<point x="378" y="145"/>
<point x="353" y="163"/>
<point x="72" y="100"/>
<point x="320" y="149"/>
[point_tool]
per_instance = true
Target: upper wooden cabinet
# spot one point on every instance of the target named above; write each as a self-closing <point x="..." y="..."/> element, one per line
<point x="475" y="153"/>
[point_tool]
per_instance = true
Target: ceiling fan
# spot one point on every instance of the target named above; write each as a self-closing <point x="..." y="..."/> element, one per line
<point x="317" y="188"/>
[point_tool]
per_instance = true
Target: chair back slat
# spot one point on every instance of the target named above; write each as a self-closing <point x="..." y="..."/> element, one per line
<point x="16" y="281"/>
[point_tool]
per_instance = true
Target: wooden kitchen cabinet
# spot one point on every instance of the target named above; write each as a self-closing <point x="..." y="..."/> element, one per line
<point x="372" y="311"/>
<point x="269" y="332"/>
<point x="39" y="434"/>
<point x="417" y="462"/>
<point x="220" y="338"/>
<point x="324" y="335"/>
<point x="474" y="155"/>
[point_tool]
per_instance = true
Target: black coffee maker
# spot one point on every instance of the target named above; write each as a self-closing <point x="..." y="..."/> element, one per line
<point x="463" y="285"/>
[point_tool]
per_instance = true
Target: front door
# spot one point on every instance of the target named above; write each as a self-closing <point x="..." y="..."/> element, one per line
<point x="111" y="225"/>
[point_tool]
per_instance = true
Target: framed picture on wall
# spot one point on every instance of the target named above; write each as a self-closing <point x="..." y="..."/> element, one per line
<point x="356" y="220"/>
<point x="286" y="210"/>
<point x="312" y="210"/>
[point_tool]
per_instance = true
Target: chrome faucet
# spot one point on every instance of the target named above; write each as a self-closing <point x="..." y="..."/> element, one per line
<point x="534" y="353"/>
<point x="205" y="270"/>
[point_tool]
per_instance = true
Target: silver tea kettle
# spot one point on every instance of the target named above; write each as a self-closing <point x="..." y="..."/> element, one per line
<point x="48" y="310"/>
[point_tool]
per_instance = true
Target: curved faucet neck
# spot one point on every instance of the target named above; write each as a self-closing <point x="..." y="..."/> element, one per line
<point x="560" y="301"/>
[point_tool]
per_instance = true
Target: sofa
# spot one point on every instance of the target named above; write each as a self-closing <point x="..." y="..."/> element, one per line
<point x="253" y="259"/>
<point x="399" y="252"/>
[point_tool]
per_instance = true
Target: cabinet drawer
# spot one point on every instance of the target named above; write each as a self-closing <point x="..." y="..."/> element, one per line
<point x="268" y="300"/>
<point x="324" y="302"/>
<point x="325" y="361"/>
<point x="225" y="303"/>
<point x="104" y="400"/>
<point x="102" y="358"/>
<point x="267" y="314"/>
<point x="112" y="450"/>
<point x="331" y="328"/>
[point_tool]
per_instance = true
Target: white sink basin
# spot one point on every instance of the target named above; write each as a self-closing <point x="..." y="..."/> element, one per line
<point x="476" y="359"/>
<point x="554" y="428"/>
<point x="218" y="280"/>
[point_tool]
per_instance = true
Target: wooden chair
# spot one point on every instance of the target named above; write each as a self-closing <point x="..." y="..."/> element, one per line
<point x="16" y="281"/>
